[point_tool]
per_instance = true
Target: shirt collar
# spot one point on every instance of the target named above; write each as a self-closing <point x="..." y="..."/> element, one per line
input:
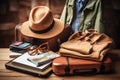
<point x="79" y="0"/>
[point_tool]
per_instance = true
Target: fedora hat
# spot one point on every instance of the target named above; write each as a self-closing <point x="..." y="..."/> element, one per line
<point x="41" y="24"/>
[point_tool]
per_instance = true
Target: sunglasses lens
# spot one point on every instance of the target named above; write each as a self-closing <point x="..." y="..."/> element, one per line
<point x="43" y="47"/>
<point x="32" y="50"/>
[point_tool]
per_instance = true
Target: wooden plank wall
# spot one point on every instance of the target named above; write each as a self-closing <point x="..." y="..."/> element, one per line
<point x="18" y="12"/>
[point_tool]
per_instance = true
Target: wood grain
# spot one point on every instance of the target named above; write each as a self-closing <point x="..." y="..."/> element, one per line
<point x="6" y="74"/>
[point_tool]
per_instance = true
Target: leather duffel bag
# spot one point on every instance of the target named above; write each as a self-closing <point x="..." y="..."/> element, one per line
<point x="73" y="66"/>
<point x="53" y="43"/>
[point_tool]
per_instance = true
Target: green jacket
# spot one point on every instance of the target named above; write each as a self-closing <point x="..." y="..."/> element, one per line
<point x="91" y="16"/>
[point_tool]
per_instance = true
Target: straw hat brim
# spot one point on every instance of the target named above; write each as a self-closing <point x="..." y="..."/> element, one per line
<point x="56" y="30"/>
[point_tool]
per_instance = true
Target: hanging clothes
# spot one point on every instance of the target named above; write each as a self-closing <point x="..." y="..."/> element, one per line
<point x="90" y="18"/>
<point x="79" y="5"/>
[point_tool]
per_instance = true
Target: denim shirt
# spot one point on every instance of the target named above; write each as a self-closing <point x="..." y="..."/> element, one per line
<point x="79" y="5"/>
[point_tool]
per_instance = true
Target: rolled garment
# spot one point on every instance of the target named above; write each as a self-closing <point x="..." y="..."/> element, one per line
<point x="78" y="46"/>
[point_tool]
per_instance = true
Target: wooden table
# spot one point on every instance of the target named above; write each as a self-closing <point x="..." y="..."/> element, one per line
<point x="6" y="74"/>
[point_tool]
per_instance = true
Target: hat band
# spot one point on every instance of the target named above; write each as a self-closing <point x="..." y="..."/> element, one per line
<point x="43" y="31"/>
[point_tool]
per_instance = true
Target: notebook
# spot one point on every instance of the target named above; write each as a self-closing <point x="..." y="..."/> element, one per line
<point x="43" y="58"/>
<point x="21" y="64"/>
<point x="22" y="60"/>
<point x="28" y="70"/>
<point x="14" y="54"/>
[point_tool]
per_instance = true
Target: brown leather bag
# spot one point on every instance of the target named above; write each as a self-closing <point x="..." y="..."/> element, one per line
<point x="72" y="66"/>
<point x="87" y="45"/>
<point x="52" y="43"/>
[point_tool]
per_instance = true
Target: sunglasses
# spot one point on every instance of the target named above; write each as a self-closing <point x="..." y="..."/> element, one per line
<point x="42" y="48"/>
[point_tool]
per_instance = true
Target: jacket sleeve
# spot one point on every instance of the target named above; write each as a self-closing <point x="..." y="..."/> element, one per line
<point x="64" y="13"/>
<point x="99" y="26"/>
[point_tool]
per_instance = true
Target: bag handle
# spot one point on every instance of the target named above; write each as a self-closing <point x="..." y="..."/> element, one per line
<point x="85" y="71"/>
<point x="17" y="31"/>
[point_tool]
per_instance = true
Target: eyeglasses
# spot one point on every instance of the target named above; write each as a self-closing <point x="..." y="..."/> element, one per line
<point x="42" y="48"/>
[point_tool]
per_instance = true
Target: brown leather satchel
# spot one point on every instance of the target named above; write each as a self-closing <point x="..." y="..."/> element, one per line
<point x="52" y="43"/>
<point x="87" y="45"/>
<point x="72" y="66"/>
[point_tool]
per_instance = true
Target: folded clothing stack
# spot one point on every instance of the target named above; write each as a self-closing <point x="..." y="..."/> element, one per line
<point x="88" y="44"/>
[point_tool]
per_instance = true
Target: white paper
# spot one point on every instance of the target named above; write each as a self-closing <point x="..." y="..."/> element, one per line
<point x="23" y="60"/>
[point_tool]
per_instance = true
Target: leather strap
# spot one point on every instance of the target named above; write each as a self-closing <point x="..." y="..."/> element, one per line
<point x="17" y="31"/>
<point x="67" y="68"/>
